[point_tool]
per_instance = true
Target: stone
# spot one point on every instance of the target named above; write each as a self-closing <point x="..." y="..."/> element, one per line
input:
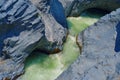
<point x="68" y="5"/>
<point x="99" y="60"/>
<point x="76" y="7"/>
<point x="54" y="7"/>
<point x="24" y="28"/>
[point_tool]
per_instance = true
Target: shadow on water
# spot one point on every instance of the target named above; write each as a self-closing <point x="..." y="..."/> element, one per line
<point x="94" y="13"/>
<point x="41" y="66"/>
<point x="117" y="43"/>
<point x="33" y="59"/>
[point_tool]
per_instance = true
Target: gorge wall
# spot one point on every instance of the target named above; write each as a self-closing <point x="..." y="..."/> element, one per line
<point x="76" y="7"/>
<point x="28" y="25"/>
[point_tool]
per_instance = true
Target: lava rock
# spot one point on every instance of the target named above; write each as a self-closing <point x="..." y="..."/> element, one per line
<point x="25" y="28"/>
<point x="76" y="7"/>
<point x="98" y="60"/>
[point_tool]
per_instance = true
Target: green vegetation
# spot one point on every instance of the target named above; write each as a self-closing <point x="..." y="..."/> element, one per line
<point x="47" y="67"/>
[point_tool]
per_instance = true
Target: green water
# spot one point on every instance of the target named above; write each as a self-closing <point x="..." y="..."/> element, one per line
<point x="48" y="67"/>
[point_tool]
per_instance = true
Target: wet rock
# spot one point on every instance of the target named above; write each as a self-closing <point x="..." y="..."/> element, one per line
<point x="98" y="60"/>
<point x="75" y="7"/>
<point x="25" y="28"/>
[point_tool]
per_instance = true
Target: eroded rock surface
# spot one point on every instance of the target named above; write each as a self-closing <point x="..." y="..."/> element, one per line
<point x="99" y="59"/>
<point x="25" y="28"/>
<point x="75" y="7"/>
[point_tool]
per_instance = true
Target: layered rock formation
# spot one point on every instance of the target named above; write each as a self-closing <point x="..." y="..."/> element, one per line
<point x="75" y="7"/>
<point x="28" y="25"/>
<point x="99" y="60"/>
<point x="25" y="28"/>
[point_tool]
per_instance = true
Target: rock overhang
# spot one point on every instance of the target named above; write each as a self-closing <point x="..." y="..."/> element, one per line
<point x="76" y="7"/>
<point x="25" y="28"/>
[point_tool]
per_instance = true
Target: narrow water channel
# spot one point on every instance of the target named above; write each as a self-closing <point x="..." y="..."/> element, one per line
<point x="41" y="66"/>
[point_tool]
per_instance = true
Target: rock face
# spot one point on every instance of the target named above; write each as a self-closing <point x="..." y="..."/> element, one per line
<point x="75" y="7"/>
<point x="54" y="7"/>
<point x="25" y="28"/>
<point x="99" y="60"/>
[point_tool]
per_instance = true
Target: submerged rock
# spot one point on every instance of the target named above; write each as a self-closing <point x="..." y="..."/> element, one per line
<point x="98" y="60"/>
<point x="76" y="7"/>
<point x="25" y="28"/>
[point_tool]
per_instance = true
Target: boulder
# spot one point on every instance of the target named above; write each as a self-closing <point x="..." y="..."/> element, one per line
<point x="100" y="57"/>
<point x="25" y="28"/>
<point x="53" y="7"/>
<point x="76" y="7"/>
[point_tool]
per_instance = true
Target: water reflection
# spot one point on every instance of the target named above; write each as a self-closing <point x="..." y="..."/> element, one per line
<point x="117" y="43"/>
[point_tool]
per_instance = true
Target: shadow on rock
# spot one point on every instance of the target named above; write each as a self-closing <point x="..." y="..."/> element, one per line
<point x="117" y="43"/>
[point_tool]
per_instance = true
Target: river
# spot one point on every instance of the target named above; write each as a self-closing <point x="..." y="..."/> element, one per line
<point x="41" y="66"/>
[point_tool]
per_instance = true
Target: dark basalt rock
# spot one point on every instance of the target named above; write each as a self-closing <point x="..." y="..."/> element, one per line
<point x="25" y="28"/>
<point x="76" y="7"/>
<point x="98" y="60"/>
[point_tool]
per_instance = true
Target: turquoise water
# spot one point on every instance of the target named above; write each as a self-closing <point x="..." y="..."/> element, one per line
<point x="41" y="66"/>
